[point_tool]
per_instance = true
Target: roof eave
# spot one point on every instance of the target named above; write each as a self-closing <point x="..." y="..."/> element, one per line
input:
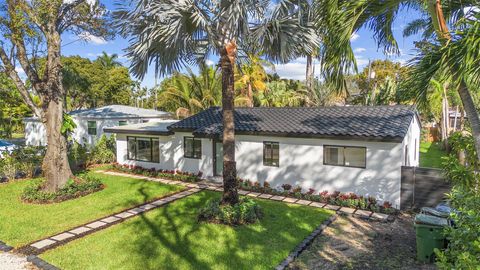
<point x="137" y="131"/>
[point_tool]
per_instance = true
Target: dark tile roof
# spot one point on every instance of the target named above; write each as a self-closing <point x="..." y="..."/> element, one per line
<point x="377" y="123"/>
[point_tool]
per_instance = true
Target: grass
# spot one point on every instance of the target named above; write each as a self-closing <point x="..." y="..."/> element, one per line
<point x="22" y="223"/>
<point x="431" y="155"/>
<point x="171" y="238"/>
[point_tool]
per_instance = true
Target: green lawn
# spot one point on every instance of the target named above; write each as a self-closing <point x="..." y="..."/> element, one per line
<point x="22" y="223"/>
<point x="431" y="155"/>
<point x="171" y="238"/>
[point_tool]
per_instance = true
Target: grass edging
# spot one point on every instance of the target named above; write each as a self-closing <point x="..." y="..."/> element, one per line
<point x="40" y="263"/>
<point x="305" y="243"/>
<point x="4" y="247"/>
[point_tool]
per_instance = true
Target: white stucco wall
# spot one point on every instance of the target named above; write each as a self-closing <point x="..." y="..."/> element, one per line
<point x="301" y="163"/>
<point x="411" y="145"/>
<point x="35" y="133"/>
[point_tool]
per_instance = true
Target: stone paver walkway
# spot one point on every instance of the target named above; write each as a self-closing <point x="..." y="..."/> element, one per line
<point x="100" y="224"/>
<point x="218" y="187"/>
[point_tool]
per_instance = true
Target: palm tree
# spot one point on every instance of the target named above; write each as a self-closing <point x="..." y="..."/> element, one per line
<point x="338" y="20"/>
<point x="250" y="78"/>
<point x="108" y="60"/>
<point x="172" y="34"/>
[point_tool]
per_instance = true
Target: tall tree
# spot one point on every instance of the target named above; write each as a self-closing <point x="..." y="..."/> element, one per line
<point x="251" y="77"/>
<point x="171" y="34"/>
<point x="108" y="60"/>
<point x="339" y="19"/>
<point x="29" y="28"/>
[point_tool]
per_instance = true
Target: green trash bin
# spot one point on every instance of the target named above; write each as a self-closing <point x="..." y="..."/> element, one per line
<point x="429" y="234"/>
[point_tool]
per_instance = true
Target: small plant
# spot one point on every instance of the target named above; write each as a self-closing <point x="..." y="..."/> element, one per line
<point x="8" y="167"/>
<point x="103" y="151"/>
<point x="297" y="189"/>
<point x="246" y="211"/>
<point x="310" y="191"/>
<point x="167" y="174"/>
<point x="287" y="187"/>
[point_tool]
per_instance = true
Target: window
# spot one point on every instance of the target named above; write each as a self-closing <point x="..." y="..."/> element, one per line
<point x="122" y="123"/>
<point x="192" y="147"/>
<point x="92" y="127"/>
<point x="349" y="156"/>
<point x="143" y="149"/>
<point x="271" y="154"/>
<point x="144" y="121"/>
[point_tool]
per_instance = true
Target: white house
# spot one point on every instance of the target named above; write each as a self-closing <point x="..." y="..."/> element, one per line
<point x="349" y="149"/>
<point x="91" y="122"/>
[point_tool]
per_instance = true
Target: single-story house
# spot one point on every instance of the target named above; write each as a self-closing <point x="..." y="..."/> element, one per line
<point x="91" y="122"/>
<point x="356" y="149"/>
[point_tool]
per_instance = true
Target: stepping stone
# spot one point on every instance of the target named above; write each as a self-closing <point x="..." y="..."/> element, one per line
<point x="211" y="188"/>
<point x="202" y="186"/>
<point x="290" y="200"/>
<point x="219" y="189"/>
<point x="253" y="194"/>
<point x="363" y="213"/>
<point x="317" y="204"/>
<point x="124" y="215"/>
<point x="277" y="198"/>
<point x="96" y="224"/>
<point x="43" y="243"/>
<point x="165" y="181"/>
<point x="169" y="199"/>
<point x="332" y="207"/>
<point x="136" y="210"/>
<point x="63" y="236"/>
<point x="191" y="185"/>
<point x="243" y="192"/>
<point x="265" y="196"/>
<point x="347" y="210"/>
<point x="159" y="202"/>
<point x="379" y="216"/>
<point x="147" y="206"/>
<point x="79" y="230"/>
<point x="195" y="189"/>
<point x="110" y="219"/>
<point x="303" y="202"/>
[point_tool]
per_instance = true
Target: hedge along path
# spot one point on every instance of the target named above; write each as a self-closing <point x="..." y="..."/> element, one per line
<point x="365" y="214"/>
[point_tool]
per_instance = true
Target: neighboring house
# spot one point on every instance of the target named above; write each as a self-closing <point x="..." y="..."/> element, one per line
<point x="91" y="122"/>
<point x="349" y="149"/>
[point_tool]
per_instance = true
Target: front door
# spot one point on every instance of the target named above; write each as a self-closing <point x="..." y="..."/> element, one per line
<point x="218" y="151"/>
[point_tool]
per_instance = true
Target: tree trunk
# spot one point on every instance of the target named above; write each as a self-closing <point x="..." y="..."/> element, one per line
<point x="55" y="165"/>
<point x="250" y="94"/>
<point x="227" y="60"/>
<point x="309" y="74"/>
<point x="472" y="114"/>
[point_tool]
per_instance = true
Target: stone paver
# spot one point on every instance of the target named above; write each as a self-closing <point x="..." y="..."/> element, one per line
<point x="265" y="196"/>
<point x="317" y="204"/>
<point x="110" y="219"/>
<point x="303" y="202"/>
<point x="379" y="216"/>
<point x="147" y="206"/>
<point x="347" y="210"/>
<point x="278" y="198"/>
<point x="242" y="192"/>
<point x="124" y="214"/>
<point x="253" y="194"/>
<point x="79" y="230"/>
<point x="159" y="202"/>
<point x="290" y="200"/>
<point x="332" y="207"/>
<point x="43" y="243"/>
<point x="96" y="224"/>
<point x="63" y="236"/>
<point x="363" y="213"/>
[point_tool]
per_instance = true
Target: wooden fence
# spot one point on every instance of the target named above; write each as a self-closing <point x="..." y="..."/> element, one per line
<point x="422" y="187"/>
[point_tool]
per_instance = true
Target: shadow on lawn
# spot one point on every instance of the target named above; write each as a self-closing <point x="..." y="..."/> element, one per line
<point x="183" y="238"/>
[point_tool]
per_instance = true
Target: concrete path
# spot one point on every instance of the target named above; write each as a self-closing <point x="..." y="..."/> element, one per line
<point x="10" y="261"/>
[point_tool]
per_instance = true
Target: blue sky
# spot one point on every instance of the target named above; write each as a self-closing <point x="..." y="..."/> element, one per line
<point x="364" y="46"/>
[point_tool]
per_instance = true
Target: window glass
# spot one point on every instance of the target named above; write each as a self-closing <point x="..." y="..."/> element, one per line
<point x="143" y="149"/>
<point x="155" y="150"/>
<point x="131" y="148"/>
<point x="92" y="127"/>
<point x="271" y="154"/>
<point x="348" y="156"/>
<point x="122" y="123"/>
<point x="192" y="147"/>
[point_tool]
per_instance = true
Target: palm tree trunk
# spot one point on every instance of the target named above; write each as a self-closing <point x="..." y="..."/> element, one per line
<point x="227" y="60"/>
<point x="250" y="94"/>
<point x="309" y="74"/>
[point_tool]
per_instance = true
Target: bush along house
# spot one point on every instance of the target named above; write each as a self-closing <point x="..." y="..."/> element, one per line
<point x="355" y="149"/>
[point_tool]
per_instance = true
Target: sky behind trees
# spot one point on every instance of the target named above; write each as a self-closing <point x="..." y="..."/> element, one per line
<point x="362" y="42"/>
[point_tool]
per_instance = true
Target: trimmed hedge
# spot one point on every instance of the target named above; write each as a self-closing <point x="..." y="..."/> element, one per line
<point x="172" y="175"/>
<point x="76" y="187"/>
<point x="246" y="211"/>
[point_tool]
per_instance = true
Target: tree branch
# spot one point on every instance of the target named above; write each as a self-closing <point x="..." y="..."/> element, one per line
<point x="22" y="89"/>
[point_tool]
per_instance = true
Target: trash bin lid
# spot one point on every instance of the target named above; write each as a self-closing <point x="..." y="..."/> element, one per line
<point x="430" y="220"/>
<point x="434" y="212"/>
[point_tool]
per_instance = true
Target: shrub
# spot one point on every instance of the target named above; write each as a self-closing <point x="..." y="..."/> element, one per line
<point x="246" y="211"/>
<point x="76" y="187"/>
<point x="103" y="151"/>
<point x="172" y="175"/>
<point x="77" y="155"/>
<point x="287" y="187"/>
<point x="29" y="159"/>
<point x="8" y="167"/>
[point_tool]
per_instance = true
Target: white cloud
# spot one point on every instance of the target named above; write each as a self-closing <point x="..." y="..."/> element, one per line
<point x="359" y="50"/>
<point x="92" y="39"/>
<point x="354" y="37"/>
<point x="295" y="69"/>
<point x="209" y="62"/>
